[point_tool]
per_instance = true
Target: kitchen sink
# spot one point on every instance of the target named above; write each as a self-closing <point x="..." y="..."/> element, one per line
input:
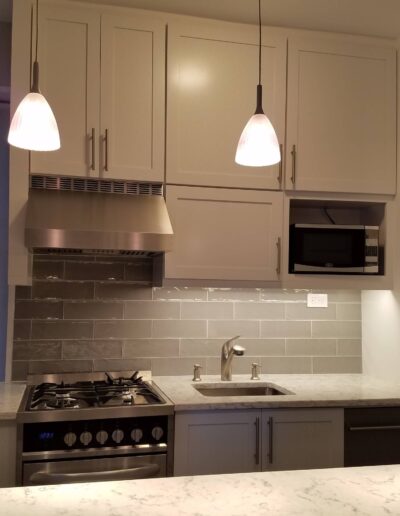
<point x="218" y="389"/>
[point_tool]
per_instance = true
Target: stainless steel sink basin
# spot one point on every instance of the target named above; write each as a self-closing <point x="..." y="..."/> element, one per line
<point x="216" y="390"/>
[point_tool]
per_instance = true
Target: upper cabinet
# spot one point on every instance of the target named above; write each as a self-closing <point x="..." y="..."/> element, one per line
<point x="224" y="234"/>
<point x="104" y="77"/>
<point x="341" y="116"/>
<point x="211" y="94"/>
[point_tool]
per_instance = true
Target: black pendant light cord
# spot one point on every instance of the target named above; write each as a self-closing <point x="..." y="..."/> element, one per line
<point x="35" y="72"/>
<point x="259" y="109"/>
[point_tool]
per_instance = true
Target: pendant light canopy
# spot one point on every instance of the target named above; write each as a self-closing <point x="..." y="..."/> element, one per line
<point x="258" y="145"/>
<point x="34" y="126"/>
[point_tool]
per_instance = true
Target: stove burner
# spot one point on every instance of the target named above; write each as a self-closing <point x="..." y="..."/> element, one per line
<point x="83" y="394"/>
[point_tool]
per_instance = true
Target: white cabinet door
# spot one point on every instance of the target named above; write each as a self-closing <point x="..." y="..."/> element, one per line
<point x="224" y="234"/>
<point x="8" y="453"/>
<point x="69" y="58"/>
<point x="132" y="97"/>
<point x="341" y="117"/>
<point x="224" y="441"/>
<point x="302" y="439"/>
<point x="211" y="94"/>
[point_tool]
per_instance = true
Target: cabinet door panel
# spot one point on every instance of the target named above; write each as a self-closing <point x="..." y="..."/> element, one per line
<point x="69" y="57"/>
<point x="302" y="439"/>
<point x="212" y="77"/>
<point x="132" y="97"/>
<point x="341" y="116"/>
<point x="208" y="443"/>
<point x="224" y="234"/>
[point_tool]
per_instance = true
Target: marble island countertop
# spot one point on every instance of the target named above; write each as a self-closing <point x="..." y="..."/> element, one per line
<point x="369" y="491"/>
<point x="319" y="390"/>
<point x="10" y="398"/>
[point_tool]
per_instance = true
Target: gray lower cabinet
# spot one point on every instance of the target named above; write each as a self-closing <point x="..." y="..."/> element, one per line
<point x="217" y="441"/>
<point x="8" y="447"/>
<point x="239" y="441"/>
<point x="302" y="439"/>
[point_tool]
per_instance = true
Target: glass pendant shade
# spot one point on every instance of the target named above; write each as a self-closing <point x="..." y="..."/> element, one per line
<point x="34" y="126"/>
<point x="258" y="145"/>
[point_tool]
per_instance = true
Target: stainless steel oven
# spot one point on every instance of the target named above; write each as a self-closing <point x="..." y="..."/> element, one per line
<point x="96" y="427"/>
<point x="124" y="467"/>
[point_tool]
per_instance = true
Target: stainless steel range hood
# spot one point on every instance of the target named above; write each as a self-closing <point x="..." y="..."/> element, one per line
<point x="97" y="222"/>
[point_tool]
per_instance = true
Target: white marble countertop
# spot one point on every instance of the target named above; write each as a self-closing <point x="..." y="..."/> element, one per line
<point x="10" y="398"/>
<point x="319" y="390"/>
<point x="371" y="491"/>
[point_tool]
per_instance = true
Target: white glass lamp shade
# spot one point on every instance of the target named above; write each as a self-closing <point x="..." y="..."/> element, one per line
<point x="258" y="145"/>
<point x="34" y="126"/>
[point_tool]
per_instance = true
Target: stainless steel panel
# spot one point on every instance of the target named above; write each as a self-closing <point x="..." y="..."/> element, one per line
<point x="298" y="267"/>
<point x="93" y="470"/>
<point x="87" y="220"/>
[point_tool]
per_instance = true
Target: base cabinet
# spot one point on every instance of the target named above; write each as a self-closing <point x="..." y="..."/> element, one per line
<point x="239" y="441"/>
<point x="302" y="439"/>
<point x="211" y="442"/>
<point x="8" y="450"/>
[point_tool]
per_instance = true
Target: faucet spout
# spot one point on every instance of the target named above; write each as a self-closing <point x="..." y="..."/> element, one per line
<point x="228" y="351"/>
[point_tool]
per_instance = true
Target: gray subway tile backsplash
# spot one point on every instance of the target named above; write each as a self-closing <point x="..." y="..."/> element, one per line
<point x="87" y="313"/>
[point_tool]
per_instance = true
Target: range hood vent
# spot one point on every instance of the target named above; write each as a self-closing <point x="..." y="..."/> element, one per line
<point x="70" y="215"/>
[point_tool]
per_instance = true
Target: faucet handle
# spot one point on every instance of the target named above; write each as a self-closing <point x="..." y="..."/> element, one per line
<point x="196" y="373"/>
<point x="255" y="369"/>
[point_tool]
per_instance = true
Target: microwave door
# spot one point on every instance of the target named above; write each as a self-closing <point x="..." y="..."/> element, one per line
<point x="329" y="250"/>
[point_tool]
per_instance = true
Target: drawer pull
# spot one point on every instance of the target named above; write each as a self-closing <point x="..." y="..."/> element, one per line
<point x="271" y="440"/>
<point x="373" y="428"/>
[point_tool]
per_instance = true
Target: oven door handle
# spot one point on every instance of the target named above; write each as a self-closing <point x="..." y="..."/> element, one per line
<point x="141" y="471"/>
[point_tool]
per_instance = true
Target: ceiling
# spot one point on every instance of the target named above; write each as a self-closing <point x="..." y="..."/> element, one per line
<point x="365" y="17"/>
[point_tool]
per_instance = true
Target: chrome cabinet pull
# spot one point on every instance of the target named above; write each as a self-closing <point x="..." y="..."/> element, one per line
<point x="293" y="153"/>
<point x="271" y="440"/>
<point x="257" y="454"/>
<point x="93" y="142"/>
<point x="280" y="166"/>
<point x="279" y="252"/>
<point x="372" y="428"/>
<point x="106" y="150"/>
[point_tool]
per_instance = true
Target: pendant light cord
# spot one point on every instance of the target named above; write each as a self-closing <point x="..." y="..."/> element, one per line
<point x="35" y="71"/>
<point x="37" y="29"/>
<point x="259" y="46"/>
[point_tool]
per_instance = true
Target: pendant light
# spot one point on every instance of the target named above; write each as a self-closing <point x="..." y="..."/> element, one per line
<point x="34" y="126"/>
<point x="258" y="145"/>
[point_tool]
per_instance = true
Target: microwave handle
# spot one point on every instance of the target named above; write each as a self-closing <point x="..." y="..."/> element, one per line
<point x="141" y="471"/>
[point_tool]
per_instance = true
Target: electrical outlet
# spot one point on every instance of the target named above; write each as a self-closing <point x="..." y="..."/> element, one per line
<point x="317" y="300"/>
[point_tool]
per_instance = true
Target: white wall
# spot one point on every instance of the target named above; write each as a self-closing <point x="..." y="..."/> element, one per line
<point x="381" y="309"/>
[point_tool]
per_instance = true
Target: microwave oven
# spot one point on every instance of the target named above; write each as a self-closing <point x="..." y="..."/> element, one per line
<point x="333" y="249"/>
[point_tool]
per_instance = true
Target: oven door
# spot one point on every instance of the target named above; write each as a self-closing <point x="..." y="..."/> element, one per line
<point x="327" y="249"/>
<point x="94" y="470"/>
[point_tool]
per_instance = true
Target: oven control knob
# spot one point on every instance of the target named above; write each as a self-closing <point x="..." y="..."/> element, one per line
<point x="101" y="436"/>
<point x="157" y="433"/>
<point x="70" y="438"/>
<point x="85" y="438"/>
<point x="136" y="435"/>
<point x="117" y="436"/>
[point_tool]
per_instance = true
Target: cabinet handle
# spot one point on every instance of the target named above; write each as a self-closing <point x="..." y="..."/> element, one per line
<point x="106" y="150"/>
<point x="257" y="453"/>
<point x="280" y="166"/>
<point x="93" y="142"/>
<point x="279" y="252"/>
<point x="293" y="153"/>
<point x="372" y="428"/>
<point x="271" y="439"/>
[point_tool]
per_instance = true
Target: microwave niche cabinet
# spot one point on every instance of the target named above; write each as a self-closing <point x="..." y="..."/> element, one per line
<point x="103" y="75"/>
<point x="240" y="441"/>
<point x="223" y="234"/>
<point x="212" y="77"/>
<point x="341" y="116"/>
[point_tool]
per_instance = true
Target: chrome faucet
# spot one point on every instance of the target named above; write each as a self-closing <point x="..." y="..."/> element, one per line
<point x="227" y="353"/>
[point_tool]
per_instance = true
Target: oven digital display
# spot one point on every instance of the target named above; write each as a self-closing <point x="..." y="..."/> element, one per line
<point x="46" y="436"/>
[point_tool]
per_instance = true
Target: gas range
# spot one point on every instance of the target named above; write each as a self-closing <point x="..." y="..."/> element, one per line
<point x="93" y="426"/>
